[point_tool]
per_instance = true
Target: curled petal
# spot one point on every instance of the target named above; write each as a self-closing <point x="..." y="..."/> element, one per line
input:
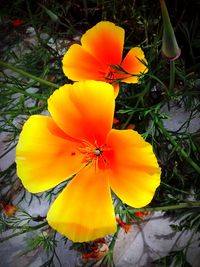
<point x="84" y="110"/>
<point x="84" y="210"/>
<point x="134" y="172"/>
<point x="45" y="156"/>
<point x="132" y="64"/>
<point x="116" y="89"/>
<point x="78" y="64"/>
<point x="105" y="42"/>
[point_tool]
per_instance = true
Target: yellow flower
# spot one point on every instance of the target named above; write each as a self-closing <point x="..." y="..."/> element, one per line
<point x="99" y="57"/>
<point x="78" y="139"/>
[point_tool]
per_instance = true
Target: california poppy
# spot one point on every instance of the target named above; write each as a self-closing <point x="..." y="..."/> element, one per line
<point x="78" y="139"/>
<point x="99" y="57"/>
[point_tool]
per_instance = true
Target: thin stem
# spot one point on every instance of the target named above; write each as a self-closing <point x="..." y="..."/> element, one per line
<point x="180" y="150"/>
<point x="18" y="90"/>
<point x="192" y="204"/>
<point x="127" y="121"/>
<point x="112" y="243"/>
<point x="172" y="76"/>
<point x="29" y="229"/>
<point x="28" y="75"/>
<point x="176" y="189"/>
<point x="7" y="150"/>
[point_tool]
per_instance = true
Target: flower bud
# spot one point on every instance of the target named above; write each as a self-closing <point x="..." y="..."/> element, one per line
<point x="170" y="48"/>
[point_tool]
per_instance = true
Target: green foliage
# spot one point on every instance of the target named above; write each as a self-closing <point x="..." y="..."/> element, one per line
<point x="139" y="104"/>
<point x="174" y="259"/>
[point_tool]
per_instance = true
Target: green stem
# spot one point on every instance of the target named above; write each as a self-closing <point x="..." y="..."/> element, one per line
<point x="29" y="229"/>
<point x="193" y="204"/>
<point x="28" y="75"/>
<point x="7" y="150"/>
<point x="112" y="243"/>
<point x="127" y="121"/>
<point x="172" y="76"/>
<point x="176" y="189"/>
<point x="140" y="98"/>
<point x="18" y="90"/>
<point x="180" y="150"/>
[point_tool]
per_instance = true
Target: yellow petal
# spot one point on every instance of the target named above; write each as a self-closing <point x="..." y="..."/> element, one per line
<point x="133" y="65"/>
<point x="84" y="110"/>
<point x="45" y="156"/>
<point x="79" y="65"/>
<point x="134" y="172"/>
<point x="84" y="210"/>
<point x="105" y="42"/>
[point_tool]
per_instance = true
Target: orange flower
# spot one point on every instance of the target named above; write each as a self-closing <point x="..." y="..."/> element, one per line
<point x="9" y="209"/>
<point x="78" y="139"/>
<point x="17" y="23"/>
<point x="99" y="57"/>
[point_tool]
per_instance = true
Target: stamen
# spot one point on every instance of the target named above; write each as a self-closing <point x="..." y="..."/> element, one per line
<point x="108" y="75"/>
<point x="97" y="151"/>
<point x="94" y="153"/>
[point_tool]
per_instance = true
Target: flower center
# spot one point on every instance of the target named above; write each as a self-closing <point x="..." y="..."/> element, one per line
<point x="108" y="75"/>
<point x="94" y="153"/>
<point x="97" y="151"/>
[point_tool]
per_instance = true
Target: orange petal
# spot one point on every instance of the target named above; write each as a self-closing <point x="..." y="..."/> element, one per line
<point x="79" y="65"/>
<point x="84" y="110"/>
<point x="133" y="65"/>
<point x="134" y="172"/>
<point x="45" y="156"/>
<point x="105" y="41"/>
<point x="116" y="89"/>
<point x="84" y="210"/>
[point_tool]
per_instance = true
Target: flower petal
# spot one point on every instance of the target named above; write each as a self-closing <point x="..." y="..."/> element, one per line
<point x="134" y="172"/>
<point x="84" y="210"/>
<point x="45" y="156"/>
<point x="105" y="41"/>
<point x="79" y="65"/>
<point x="133" y="65"/>
<point x="116" y="89"/>
<point x="84" y="110"/>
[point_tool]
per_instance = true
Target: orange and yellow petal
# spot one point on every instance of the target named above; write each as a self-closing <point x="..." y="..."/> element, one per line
<point x="78" y="64"/>
<point x="84" y="110"/>
<point x="45" y="156"/>
<point x="132" y="64"/>
<point x="105" y="42"/>
<point x="134" y="172"/>
<point x="116" y="89"/>
<point x="84" y="210"/>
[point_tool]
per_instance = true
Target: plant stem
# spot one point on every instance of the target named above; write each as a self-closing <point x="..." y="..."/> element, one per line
<point x="28" y="75"/>
<point x="18" y="90"/>
<point x="112" y="243"/>
<point x="192" y="204"/>
<point x="29" y="229"/>
<point x="181" y="150"/>
<point x="127" y="121"/>
<point x="172" y="76"/>
<point x="176" y="189"/>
